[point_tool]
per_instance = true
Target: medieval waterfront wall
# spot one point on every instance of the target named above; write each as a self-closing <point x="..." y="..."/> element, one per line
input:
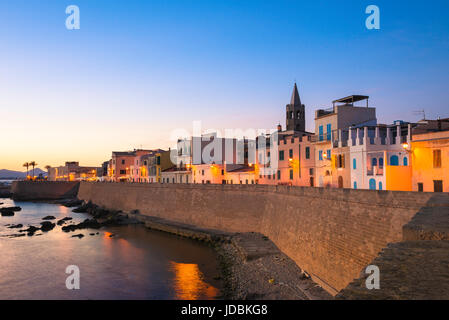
<point x="45" y="190"/>
<point x="333" y="234"/>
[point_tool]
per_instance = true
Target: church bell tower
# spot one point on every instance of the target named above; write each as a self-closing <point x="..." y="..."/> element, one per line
<point x="296" y="120"/>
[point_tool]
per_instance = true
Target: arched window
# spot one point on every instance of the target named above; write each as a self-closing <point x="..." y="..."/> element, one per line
<point x="381" y="162"/>
<point x="405" y="161"/>
<point x="380" y="185"/>
<point x="354" y="164"/>
<point x="355" y="185"/>
<point x="372" y="184"/>
<point x="374" y="162"/>
<point x="394" y="160"/>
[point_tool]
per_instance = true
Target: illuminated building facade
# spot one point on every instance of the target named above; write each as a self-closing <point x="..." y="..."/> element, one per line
<point x="430" y="156"/>
<point x="72" y="171"/>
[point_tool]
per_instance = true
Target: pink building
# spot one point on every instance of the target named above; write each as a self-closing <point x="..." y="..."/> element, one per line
<point x="294" y="163"/>
<point x="129" y="166"/>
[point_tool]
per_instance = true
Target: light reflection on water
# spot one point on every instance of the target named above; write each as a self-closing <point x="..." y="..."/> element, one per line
<point x="134" y="263"/>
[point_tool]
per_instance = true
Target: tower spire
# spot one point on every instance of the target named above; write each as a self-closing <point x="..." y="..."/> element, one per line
<point x="295" y="100"/>
<point x="295" y="113"/>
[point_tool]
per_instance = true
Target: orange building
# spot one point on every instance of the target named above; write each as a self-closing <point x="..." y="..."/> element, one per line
<point x="430" y="156"/>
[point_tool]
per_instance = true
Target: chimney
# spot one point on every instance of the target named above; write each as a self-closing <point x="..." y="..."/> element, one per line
<point x="279" y="128"/>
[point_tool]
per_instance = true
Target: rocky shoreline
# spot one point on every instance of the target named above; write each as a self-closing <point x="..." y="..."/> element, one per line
<point x="100" y="218"/>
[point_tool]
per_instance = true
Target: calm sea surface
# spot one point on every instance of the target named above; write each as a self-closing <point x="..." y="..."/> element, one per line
<point x="133" y="264"/>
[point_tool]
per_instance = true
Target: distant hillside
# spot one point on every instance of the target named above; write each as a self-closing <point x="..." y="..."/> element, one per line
<point x="10" y="174"/>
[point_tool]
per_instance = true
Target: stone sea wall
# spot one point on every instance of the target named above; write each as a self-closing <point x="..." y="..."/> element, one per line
<point x="332" y="234"/>
<point x="45" y="190"/>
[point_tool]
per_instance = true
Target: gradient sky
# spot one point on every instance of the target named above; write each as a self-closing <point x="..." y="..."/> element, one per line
<point x="136" y="70"/>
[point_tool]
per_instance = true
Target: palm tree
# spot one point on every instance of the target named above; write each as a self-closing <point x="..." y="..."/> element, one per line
<point x="26" y="165"/>
<point x="33" y="164"/>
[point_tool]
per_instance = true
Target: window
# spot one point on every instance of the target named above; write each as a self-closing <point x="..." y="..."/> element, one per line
<point x="437" y="186"/>
<point x="405" y="161"/>
<point x="281" y="155"/>
<point x="279" y="174"/>
<point x="437" y="158"/>
<point x="380" y="185"/>
<point x="123" y="161"/>
<point x="381" y="162"/>
<point x="307" y="152"/>
<point x="321" y="133"/>
<point x="202" y="172"/>
<point x="355" y="185"/>
<point x="329" y="132"/>
<point x="311" y="171"/>
<point x="293" y="140"/>
<point x="222" y="172"/>
<point x="290" y="153"/>
<point x="374" y="162"/>
<point x="329" y="154"/>
<point x="291" y="174"/>
<point x="394" y="160"/>
<point x="158" y="160"/>
<point x="320" y="155"/>
<point x="341" y="161"/>
<point x="122" y="171"/>
<point x="420" y="187"/>
<point x="354" y="164"/>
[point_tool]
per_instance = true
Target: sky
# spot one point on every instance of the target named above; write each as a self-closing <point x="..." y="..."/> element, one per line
<point x="136" y="71"/>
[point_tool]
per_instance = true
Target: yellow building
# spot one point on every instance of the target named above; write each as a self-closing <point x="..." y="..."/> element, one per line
<point x="430" y="160"/>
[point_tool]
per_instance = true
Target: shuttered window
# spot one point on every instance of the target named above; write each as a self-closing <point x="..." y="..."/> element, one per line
<point x="437" y="158"/>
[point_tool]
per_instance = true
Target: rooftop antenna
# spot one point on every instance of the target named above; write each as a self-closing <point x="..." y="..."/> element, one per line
<point x="422" y="112"/>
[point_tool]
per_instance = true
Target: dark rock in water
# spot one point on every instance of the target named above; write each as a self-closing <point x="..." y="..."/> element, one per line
<point x="16" y="235"/>
<point x="92" y="234"/>
<point x="49" y="218"/>
<point x="30" y="229"/>
<point x="72" y="203"/>
<point x="7" y="213"/>
<point x="84" y="207"/>
<point x="15" y="226"/>
<point x="78" y="236"/>
<point x="86" y="224"/>
<point x="15" y="209"/>
<point x="47" y="226"/>
<point x="62" y="221"/>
